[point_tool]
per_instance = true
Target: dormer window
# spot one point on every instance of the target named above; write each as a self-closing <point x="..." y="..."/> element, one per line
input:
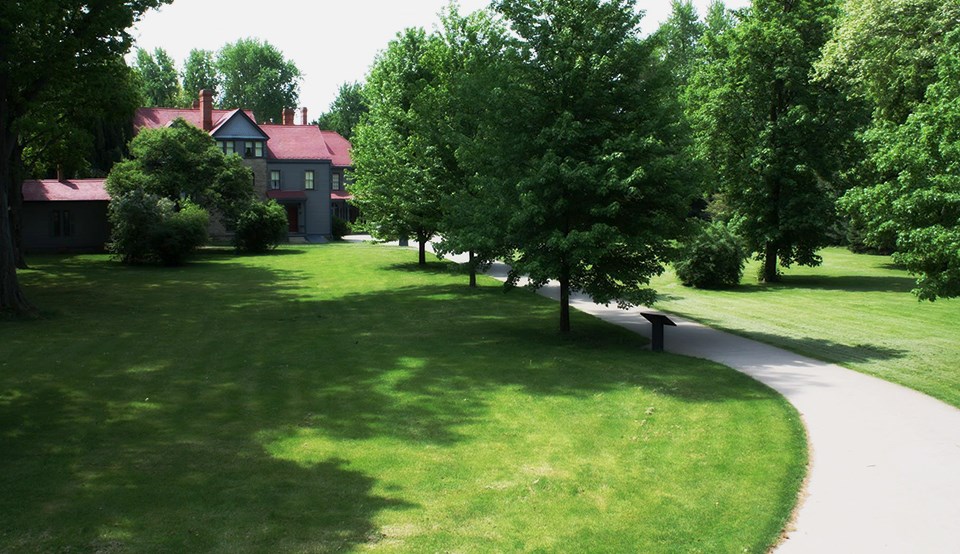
<point x="252" y="149"/>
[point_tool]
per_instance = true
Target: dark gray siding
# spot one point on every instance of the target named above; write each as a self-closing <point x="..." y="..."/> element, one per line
<point x="316" y="207"/>
<point x="89" y="231"/>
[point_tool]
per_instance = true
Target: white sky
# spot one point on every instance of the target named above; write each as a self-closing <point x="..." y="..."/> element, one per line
<point x="330" y="41"/>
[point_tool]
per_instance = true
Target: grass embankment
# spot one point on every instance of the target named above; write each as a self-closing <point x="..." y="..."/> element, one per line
<point x="855" y="310"/>
<point x="340" y="398"/>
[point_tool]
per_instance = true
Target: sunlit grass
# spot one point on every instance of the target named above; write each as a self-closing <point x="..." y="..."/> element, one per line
<point x="855" y="310"/>
<point x="340" y="398"/>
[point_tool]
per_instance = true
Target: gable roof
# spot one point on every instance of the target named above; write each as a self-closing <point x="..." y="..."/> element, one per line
<point x="69" y="190"/>
<point x="218" y="125"/>
<point x="151" y="118"/>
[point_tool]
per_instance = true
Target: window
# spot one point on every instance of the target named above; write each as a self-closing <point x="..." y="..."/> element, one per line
<point x="335" y="185"/>
<point x="308" y="179"/>
<point x="275" y="179"/>
<point x="222" y="146"/>
<point x="228" y="147"/>
<point x="248" y="150"/>
<point x="258" y="150"/>
<point x="61" y="223"/>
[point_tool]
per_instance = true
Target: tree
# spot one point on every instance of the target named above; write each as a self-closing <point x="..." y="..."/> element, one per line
<point x="679" y="39"/>
<point x="346" y="111"/>
<point x="590" y="144"/>
<point x="44" y="46"/>
<point x="918" y="203"/>
<point x="774" y="137"/>
<point x="256" y="76"/>
<point x="200" y="73"/>
<point x="395" y="170"/>
<point x="180" y="162"/>
<point x="158" y="77"/>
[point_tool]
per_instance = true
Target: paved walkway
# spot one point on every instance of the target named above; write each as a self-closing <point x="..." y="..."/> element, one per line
<point x="885" y="460"/>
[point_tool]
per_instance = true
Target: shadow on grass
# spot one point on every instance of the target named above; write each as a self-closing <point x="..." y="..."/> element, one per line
<point x="132" y="418"/>
<point x="848" y="283"/>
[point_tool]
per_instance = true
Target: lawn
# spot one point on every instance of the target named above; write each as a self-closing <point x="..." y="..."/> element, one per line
<point x="339" y="398"/>
<point x="855" y="310"/>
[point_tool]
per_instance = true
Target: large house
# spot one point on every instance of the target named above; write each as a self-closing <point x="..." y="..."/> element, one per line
<point x="297" y="164"/>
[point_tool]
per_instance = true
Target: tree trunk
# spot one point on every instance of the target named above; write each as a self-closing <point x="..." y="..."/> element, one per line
<point x="565" y="301"/>
<point x="770" y="274"/>
<point x="11" y="297"/>
<point x="473" y="270"/>
<point x="15" y="199"/>
<point x="422" y="240"/>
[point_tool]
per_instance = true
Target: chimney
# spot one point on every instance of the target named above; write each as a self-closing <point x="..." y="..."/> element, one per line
<point x="196" y="104"/>
<point x="287" y="116"/>
<point x="303" y="116"/>
<point x="60" y="173"/>
<point x="206" y="108"/>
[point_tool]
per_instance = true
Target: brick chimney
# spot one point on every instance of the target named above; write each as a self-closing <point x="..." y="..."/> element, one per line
<point x="303" y="116"/>
<point x="287" y="116"/>
<point x="206" y="108"/>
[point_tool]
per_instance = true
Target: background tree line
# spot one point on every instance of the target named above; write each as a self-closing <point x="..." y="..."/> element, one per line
<point x="249" y="74"/>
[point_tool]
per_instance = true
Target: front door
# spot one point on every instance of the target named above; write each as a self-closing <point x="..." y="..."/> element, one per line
<point x="293" y="217"/>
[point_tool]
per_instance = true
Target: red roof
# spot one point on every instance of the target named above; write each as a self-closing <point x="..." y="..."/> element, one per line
<point x="150" y="118"/>
<point x="296" y="142"/>
<point x="340" y="147"/>
<point x="340" y="195"/>
<point x="286" y="194"/>
<point x="70" y="190"/>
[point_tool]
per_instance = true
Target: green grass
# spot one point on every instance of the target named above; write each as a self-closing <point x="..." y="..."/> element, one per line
<point x="339" y="398"/>
<point x="855" y="310"/>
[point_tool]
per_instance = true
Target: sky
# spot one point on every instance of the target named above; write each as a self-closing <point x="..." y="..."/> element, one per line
<point x="331" y="42"/>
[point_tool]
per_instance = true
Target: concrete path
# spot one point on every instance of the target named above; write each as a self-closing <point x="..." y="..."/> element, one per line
<point x="885" y="460"/>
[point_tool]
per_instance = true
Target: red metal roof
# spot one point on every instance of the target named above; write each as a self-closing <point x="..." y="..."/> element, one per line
<point x="151" y="118"/>
<point x="287" y="194"/>
<point x="296" y="142"/>
<point x="340" y="195"/>
<point x="70" y="190"/>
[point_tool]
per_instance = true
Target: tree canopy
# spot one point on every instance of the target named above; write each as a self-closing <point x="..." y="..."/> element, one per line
<point x="200" y="73"/>
<point x="157" y="74"/>
<point x="257" y="77"/>
<point x="595" y="181"/>
<point x="346" y="110"/>
<point x="43" y="46"/>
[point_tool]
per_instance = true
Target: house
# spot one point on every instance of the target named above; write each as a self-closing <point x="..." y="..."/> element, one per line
<point x="65" y="215"/>
<point x="296" y="164"/>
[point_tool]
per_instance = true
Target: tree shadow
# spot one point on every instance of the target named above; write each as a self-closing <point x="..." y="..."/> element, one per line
<point x="141" y="414"/>
<point x="847" y="283"/>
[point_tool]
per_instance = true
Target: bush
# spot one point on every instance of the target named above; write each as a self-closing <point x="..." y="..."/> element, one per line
<point x="148" y="229"/>
<point x="339" y="228"/>
<point x="713" y="258"/>
<point x="180" y="234"/>
<point x="260" y="227"/>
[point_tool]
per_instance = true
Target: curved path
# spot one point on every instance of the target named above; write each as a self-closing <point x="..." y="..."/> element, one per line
<point x="884" y="472"/>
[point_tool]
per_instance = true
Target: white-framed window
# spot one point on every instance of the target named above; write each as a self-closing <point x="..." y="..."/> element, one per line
<point x="258" y="149"/>
<point x="335" y="181"/>
<point x="308" y="179"/>
<point x="275" y="179"/>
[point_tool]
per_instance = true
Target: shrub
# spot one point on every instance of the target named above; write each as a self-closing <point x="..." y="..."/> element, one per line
<point x="260" y="227"/>
<point x="147" y="229"/>
<point x="339" y="228"/>
<point x="134" y="216"/>
<point x="180" y="234"/>
<point x="713" y="258"/>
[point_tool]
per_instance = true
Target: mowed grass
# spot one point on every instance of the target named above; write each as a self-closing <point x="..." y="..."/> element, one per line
<point x="855" y="310"/>
<point x="340" y="398"/>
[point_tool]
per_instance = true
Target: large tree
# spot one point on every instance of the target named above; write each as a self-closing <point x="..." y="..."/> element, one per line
<point x="590" y="141"/>
<point x="181" y="161"/>
<point x="396" y="183"/>
<point x="44" y="45"/>
<point x="900" y="59"/>
<point x="158" y="78"/>
<point x="257" y="77"/>
<point x="345" y="111"/>
<point x="200" y="73"/>
<point x="772" y="135"/>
